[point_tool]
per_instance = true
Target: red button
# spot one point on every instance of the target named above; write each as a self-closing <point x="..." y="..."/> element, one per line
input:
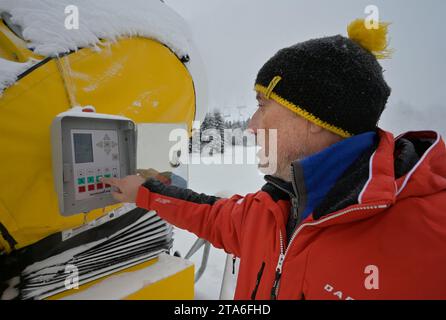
<point x="100" y="186"/>
<point x="91" y="187"/>
<point x="81" y="189"/>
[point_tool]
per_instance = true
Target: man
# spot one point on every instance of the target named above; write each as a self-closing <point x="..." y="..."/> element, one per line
<point x="351" y="213"/>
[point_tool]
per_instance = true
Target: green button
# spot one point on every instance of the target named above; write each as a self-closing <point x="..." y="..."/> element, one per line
<point x="98" y="178"/>
<point x="108" y="175"/>
<point x="81" y="181"/>
<point x="90" y="179"/>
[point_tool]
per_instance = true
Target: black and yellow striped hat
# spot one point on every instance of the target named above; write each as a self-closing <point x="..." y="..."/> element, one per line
<point x="334" y="82"/>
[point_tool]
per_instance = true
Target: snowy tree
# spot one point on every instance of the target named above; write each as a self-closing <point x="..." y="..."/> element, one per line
<point x="238" y="132"/>
<point x="220" y="126"/>
<point x="212" y="133"/>
<point x="194" y="142"/>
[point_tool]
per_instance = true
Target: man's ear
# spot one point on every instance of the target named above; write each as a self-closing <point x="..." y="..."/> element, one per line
<point x="315" y="129"/>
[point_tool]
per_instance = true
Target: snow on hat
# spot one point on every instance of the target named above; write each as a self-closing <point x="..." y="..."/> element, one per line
<point x="334" y="82"/>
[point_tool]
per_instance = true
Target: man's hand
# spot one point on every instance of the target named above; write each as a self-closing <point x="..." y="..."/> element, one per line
<point x="126" y="189"/>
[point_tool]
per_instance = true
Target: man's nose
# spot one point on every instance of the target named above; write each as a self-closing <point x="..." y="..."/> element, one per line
<point x="253" y="124"/>
<point x="251" y="129"/>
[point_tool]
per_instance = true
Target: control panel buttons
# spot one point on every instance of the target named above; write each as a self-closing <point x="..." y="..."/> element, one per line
<point x="89" y="180"/>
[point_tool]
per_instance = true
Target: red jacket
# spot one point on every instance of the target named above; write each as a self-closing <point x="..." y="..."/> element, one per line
<point x="389" y="242"/>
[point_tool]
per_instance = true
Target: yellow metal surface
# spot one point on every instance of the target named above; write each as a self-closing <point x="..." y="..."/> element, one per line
<point x="136" y="77"/>
<point x="177" y="286"/>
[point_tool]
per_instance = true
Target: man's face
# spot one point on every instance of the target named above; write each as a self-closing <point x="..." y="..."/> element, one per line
<point x="292" y="134"/>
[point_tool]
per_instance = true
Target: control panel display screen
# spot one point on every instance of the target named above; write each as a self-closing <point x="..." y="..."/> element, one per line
<point x="96" y="155"/>
<point x="83" y="148"/>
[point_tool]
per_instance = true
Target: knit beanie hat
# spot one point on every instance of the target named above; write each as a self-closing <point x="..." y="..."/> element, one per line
<point x="334" y="82"/>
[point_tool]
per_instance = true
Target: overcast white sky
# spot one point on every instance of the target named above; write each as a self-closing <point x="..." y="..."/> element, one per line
<point x="235" y="38"/>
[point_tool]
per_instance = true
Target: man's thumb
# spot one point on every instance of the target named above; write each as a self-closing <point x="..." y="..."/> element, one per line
<point x="118" y="196"/>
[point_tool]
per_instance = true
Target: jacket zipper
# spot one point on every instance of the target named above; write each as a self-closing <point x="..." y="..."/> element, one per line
<point x="295" y="199"/>
<point x="294" y="204"/>
<point x="283" y="254"/>
<point x="274" y="290"/>
<point x="259" y="277"/>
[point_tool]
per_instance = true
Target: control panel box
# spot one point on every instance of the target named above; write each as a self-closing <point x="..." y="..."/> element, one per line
<point x="87" y="146"/>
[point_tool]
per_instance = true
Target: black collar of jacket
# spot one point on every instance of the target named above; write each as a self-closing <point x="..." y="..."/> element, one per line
<point x="278" y="189"/>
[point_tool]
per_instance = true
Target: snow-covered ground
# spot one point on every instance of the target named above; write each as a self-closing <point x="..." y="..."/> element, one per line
<point x="224" y="179"/>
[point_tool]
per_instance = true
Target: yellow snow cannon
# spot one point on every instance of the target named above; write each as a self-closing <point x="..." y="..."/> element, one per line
<point x="134" y="76"/>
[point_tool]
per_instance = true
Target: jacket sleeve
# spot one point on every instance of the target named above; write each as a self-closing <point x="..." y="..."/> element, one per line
<point x="216" y="220"/>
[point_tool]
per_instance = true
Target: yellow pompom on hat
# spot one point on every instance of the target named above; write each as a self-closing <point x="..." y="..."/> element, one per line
<point x="370" y="37"/>
<point x="335" y="82"/>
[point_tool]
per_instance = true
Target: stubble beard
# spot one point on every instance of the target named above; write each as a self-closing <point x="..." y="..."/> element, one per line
<point x="284" y="166"/>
